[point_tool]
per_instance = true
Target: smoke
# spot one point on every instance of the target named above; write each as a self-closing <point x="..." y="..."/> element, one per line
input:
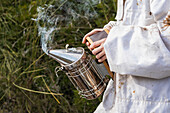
<point x="61" y="14"/>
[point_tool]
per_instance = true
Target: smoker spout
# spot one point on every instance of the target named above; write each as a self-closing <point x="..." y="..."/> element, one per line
<point x="64" y="57"/>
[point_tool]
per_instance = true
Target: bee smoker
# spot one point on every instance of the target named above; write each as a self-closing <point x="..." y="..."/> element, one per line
<point x="88" y="77"/>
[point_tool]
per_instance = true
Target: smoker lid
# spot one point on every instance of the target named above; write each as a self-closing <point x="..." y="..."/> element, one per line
<point x="66" y="56"/>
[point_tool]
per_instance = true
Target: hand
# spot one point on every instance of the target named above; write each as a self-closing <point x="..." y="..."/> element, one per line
<point x="98" y="50"/>
<point x="89" y="34"/>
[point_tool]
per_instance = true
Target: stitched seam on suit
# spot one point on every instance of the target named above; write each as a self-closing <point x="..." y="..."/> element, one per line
<point x="147" y="101"/>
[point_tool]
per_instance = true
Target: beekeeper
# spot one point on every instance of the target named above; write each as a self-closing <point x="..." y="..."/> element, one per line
<point x="138" y="50"/>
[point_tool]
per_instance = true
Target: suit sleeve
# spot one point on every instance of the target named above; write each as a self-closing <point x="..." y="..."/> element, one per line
<point x="142" y="50"/>
<point x="110" y="25"/>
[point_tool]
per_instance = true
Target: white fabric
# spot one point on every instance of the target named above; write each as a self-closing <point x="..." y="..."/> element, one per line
<point x="107" y="103"/>
<point x="138" y="50"/>
<point x="133" y="50"/>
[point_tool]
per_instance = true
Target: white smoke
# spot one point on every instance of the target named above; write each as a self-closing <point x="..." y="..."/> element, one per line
<point x="62" y="13"/>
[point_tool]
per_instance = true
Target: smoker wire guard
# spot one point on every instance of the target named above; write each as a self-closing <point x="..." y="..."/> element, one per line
<point x="76" y="67"/>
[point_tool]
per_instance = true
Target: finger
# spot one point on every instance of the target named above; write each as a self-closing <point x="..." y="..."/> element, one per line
<point x="102" y="59"/>
<point x="97" y="43"/>
<point x="90" y="33"/>
<point x="100" y="55"/>
<point x="97" y="50"/>
<point x="87" y="44"/>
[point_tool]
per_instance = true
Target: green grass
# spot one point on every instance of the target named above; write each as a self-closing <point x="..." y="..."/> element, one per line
<point x="25" y="69"/>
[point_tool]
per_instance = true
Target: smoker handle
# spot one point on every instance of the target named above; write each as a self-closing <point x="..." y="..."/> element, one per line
<point x="57" y="69"/>
<point x="104" y="62"/>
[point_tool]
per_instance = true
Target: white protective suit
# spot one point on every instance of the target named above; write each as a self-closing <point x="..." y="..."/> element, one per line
<point x="138" y="50"/>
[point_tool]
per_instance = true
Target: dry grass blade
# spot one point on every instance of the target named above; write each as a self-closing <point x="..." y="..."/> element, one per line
<point x="40" y="92"/>
<point x="37" y="70"/>
<point x="27" y="96"/>
<point x="50" y="91"/>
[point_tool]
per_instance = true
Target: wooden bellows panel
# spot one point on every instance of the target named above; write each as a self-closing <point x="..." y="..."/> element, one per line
<point x="98" y="36"/>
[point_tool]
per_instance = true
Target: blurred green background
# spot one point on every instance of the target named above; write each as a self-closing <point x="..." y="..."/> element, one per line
<point x="24" y="68"/>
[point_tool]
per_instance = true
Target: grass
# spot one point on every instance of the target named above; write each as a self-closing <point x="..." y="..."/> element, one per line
<point x="27" y="79"/>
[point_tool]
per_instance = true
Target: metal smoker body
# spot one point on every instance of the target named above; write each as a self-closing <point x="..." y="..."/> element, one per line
<point x="85" y="74"/>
